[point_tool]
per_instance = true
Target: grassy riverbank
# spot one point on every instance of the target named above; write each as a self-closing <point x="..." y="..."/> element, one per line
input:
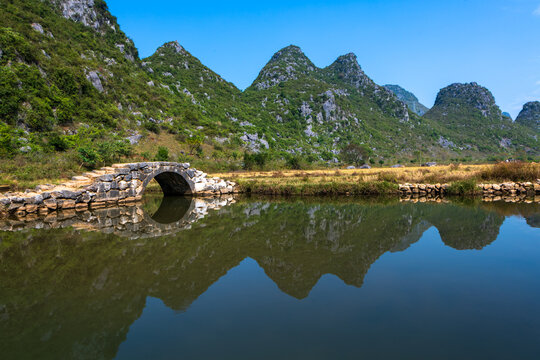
<point x="462" y="179"/>
<point x="19" y="175"/>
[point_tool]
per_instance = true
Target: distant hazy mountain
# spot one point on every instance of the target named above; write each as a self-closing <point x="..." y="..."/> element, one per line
<point x="408" y="98"/>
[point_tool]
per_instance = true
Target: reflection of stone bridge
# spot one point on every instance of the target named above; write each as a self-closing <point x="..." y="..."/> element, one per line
<point x="118" y="184"/>
<point x="173" y="215"/>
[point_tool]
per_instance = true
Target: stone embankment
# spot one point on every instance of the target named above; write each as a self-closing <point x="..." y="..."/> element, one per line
<point x="487" y="190"/>
<point x="116" y="185"/>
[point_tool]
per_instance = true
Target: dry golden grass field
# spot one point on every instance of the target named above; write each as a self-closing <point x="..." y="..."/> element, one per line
<point x="416" y="174"/>
<point x="376" y="180"/>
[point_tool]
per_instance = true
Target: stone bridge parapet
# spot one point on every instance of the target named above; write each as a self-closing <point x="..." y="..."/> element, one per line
<point x="115" y="185"/>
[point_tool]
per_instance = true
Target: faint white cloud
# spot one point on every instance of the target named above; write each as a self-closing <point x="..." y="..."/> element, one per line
<point x="537" y="11"/>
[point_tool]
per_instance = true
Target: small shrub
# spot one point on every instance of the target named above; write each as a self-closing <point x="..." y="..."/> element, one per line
<point x="195" y="143"/>
<point x="151" y="126"/>
<point x="162" y="154"/>
<point x="463" y="187"/>
<point x="113" y="150"/>
<point x="296" y="163"/>
<point x="89" y="157"/>
<point x="106" y="152"/>
<point x="60" y="142"/>
<point x="146" y="155"/>
<point x="258" y="160"/>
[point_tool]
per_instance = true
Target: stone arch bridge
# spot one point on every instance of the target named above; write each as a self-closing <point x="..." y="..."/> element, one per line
<point x="117" y="184"/>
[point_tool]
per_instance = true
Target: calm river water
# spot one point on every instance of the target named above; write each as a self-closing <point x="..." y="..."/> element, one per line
<point x="271" y="278"/>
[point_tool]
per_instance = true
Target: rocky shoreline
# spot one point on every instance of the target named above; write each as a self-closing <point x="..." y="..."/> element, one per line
<point x="487" y="190"/>
<point x="123" y="184"/>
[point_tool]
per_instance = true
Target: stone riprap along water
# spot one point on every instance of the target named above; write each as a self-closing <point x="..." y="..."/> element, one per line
<point x="115" y="185"/>
<point x="488" y="190"/>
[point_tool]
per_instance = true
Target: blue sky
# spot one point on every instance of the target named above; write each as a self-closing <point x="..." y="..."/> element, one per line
<point x="420" y="45"/>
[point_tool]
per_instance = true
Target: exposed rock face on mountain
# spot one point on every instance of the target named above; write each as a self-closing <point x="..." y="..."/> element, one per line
<point x="289" y="63"/>
<point x="84" y="11"/>
<point x="347" y="70"/>
<point x="408" y="98"/>
<point x="471" y="98"/>
<point x="530" y="115"/>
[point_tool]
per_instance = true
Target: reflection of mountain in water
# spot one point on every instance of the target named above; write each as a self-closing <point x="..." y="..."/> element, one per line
<point x="73" y="294"/>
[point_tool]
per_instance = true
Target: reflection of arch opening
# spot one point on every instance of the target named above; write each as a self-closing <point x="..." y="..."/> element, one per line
<point x="172" y="182"/>
<point x="172" y="209"/>
<point x="173" y="214"/>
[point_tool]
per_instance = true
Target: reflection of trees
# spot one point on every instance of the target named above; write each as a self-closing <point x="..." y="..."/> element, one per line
<point x="70" y="294"/>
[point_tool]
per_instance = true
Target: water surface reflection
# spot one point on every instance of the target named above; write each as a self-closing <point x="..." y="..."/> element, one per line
<point x="71" y="287"/>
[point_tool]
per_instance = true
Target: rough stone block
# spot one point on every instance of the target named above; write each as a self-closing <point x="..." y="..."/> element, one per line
<point x="81" y="206"/>
<point x="67" y="204"/>
<point x="14" y="207"/>
<point x="50" y="204"/>
<point x="113" y="194"/>
<point x="123" y="171"/>
<point x="123" y="185"/>
<point x="106" y="177"/>
<point x="30" y="208"/>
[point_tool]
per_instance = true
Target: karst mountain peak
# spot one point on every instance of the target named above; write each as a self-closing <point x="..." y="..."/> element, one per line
<point x="293" y="107"/>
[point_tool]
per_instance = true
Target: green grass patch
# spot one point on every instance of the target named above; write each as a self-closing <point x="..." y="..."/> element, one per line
<point x="464" y="187"/>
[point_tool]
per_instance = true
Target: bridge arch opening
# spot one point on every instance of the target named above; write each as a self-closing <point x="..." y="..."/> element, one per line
<point x="172" y="183"/>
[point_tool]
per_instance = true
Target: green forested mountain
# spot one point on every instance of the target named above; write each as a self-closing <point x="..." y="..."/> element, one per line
<point x="467" y="117"/>
<point x="66" y="65"/>
<point x="72" y="81"/>
<point x="408" y="98"/>
<point x="321" y="111"/>
<point x="175" y="69"/>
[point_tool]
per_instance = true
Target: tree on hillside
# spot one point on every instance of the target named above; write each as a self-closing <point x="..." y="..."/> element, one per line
<point x="195" y="143"/>
<point x="356" y="154"/>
